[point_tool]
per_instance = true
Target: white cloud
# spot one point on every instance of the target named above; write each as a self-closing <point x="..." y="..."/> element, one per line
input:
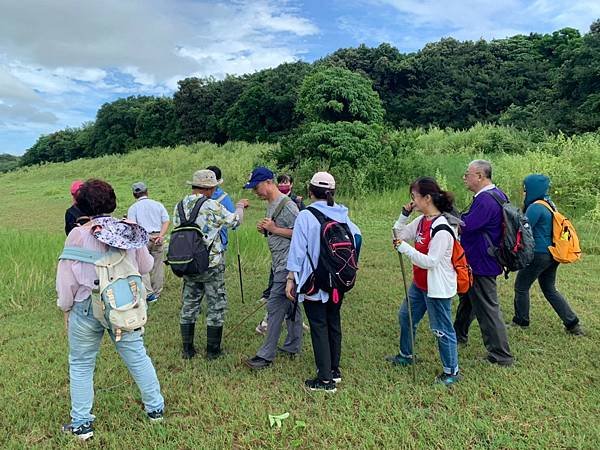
<point x="70" y="56"/>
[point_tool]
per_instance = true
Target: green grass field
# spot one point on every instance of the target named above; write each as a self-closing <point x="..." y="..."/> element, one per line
<point x="549" y="399"/>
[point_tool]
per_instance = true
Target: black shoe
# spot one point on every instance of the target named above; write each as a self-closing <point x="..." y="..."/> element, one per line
<point x="187" y="338"/>
<point x="505" y="363"/>
<point x="462" y="340"/>
<point x="336" y="375"/>
<point x="575" y="330"/>
<point x="83" y="432"/>
<point x="213" y="342"/>
<point x="514" y="324"/>
<point x="317" y="384"/>
<point x="257" y="363"/>
<point x="156" y="416"/>
<point x="282" y="352"/>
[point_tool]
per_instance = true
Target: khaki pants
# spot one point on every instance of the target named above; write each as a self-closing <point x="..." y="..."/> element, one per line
<point x="155" y="280"/>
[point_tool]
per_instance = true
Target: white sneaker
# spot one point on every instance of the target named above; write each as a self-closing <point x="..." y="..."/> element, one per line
<point x="261" y="328"/>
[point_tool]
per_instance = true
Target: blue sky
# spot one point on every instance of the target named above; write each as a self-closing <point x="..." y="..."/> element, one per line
<point x="61" y="59"/>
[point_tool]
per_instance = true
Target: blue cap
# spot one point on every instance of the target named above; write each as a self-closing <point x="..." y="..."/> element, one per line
<point x="258" y="175"/>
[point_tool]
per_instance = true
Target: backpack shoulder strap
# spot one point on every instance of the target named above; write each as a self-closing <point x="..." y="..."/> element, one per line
<point x="322" y="218"/>
<point x="181" y="212"/>
<point x="545" y="203"/>
<point x="196" y="209"/>
<point x="443" y="227"/>
<point x="496" y="197"/>
<point x="81" y="254"/>
<point x="280" y="207"/>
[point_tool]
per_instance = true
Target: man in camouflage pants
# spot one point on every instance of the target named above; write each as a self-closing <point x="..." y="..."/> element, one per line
<point x="212" y="217"/>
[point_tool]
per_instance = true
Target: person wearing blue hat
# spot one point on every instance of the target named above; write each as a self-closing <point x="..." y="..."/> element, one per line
<point x="277" y="227"/>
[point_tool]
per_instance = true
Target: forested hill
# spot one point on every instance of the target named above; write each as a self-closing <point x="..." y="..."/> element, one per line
<point x="543" y="81"/>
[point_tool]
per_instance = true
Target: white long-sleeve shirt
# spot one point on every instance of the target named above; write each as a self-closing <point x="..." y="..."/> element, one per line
<point x="441" y="276"/>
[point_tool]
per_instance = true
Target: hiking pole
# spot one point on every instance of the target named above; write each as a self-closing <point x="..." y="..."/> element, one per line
<point x="239" y="259"/>
<point x="250" y="314"/>
<point x="410" y="320"/>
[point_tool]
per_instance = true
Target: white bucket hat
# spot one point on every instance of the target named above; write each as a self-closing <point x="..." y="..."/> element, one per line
<point x="204" y="179"/>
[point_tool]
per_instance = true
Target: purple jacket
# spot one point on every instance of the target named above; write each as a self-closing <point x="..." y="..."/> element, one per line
<point x="484" y="215"/>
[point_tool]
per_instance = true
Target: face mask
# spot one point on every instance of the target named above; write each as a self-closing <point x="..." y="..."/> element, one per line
<point x="284" y="188"/>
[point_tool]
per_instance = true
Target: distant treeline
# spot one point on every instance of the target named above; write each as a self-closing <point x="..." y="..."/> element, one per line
<point x="549" y="82"/>
<point x="8" y="162"/>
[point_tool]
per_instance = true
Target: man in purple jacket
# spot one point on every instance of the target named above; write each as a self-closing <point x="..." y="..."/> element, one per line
<point x="484" y="216"/>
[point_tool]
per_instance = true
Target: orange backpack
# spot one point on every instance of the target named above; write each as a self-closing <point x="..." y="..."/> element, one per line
<point x="464" y="274"/>
<point x="565" y="242"/>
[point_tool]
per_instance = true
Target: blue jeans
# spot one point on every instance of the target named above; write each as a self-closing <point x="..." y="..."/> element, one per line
<point x="440" y="322"/>
<point x="85" y="336"/>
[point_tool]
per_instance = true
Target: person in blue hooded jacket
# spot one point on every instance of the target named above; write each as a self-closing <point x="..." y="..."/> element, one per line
<point x="544" y="267"/>
<point x="323" y="312"/>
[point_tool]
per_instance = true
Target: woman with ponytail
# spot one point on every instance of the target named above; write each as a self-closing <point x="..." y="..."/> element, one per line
<point x="434" y="277"/>
<point x="322" y="308"/>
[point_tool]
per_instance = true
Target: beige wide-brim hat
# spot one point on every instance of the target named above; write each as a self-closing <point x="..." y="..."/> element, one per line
<point x="204" y="179"/>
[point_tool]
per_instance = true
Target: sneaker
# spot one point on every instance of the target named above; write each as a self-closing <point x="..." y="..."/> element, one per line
<point x="446" y="379"/>
<point x="257" y="363"/>
<point x="83" y="432"/>
<point x="261" y="328"/>
<point x="336" y="375"/>
<point x="399" y="360"/>
<point x="575" y="330"/>
<point x="319" y="385"/>
<point x="514" y="324"/>
<point x="156" y="416"/>
<point x="502" y="363"/>
<point x="151" y="298"/>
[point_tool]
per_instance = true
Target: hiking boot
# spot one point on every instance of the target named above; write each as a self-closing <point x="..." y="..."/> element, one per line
<point x="152" y="297"/>
<point x="83" y="432"/>
<point x="575" y="330"/>
<point x="257" y="363"/>
<point x="446" y="379"/>
<point x="187" y="338"/>
<point x="261" y="328"/>
<point x="399" y="360"/>
<point x="290" y="355"/>
<point x="336" y="375"/>
<point x="317" y="384"/>
<point x="213" y="342"/>
<point x="156" y="416"/>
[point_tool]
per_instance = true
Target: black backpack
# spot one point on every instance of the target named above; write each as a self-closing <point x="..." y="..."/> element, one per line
<point x="187" y="253"/>
<point x="515" y="251"/>
<point x="336" y="269"/>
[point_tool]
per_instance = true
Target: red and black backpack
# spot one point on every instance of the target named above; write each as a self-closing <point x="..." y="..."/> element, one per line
<point x="335" y="272"/>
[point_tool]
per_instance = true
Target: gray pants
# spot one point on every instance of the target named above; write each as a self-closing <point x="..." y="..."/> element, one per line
<point x="482" y="302"/>
<point x="543" y="268"/>
<point x="279" y="308"/>
<point x="155" y="279"/>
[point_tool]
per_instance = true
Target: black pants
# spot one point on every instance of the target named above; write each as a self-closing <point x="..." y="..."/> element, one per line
<point x="326" y="335"/>
<point x="543" y="268"/>
<point x="481" y="302"/>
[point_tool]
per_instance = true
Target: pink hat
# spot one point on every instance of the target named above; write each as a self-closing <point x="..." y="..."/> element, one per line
<point x="75" y="185"/>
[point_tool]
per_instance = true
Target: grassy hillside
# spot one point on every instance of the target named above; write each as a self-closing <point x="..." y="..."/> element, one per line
<point x="549" y="399"/>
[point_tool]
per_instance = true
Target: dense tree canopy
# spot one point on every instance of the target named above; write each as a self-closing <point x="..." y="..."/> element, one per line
<point x="546" y="81"/>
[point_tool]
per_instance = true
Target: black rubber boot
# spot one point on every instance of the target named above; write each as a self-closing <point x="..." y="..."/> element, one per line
<point x="213" y="342"/>
<point x="187" y="337"/>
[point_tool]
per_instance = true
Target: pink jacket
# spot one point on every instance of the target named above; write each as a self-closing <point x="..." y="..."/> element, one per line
<point x="75" y="279"/>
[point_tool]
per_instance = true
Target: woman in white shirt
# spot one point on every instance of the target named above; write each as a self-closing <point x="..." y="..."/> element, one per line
<point x="434" y="277"/>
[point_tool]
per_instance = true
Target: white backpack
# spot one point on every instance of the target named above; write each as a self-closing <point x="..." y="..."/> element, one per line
<point x="119" y="299"/>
